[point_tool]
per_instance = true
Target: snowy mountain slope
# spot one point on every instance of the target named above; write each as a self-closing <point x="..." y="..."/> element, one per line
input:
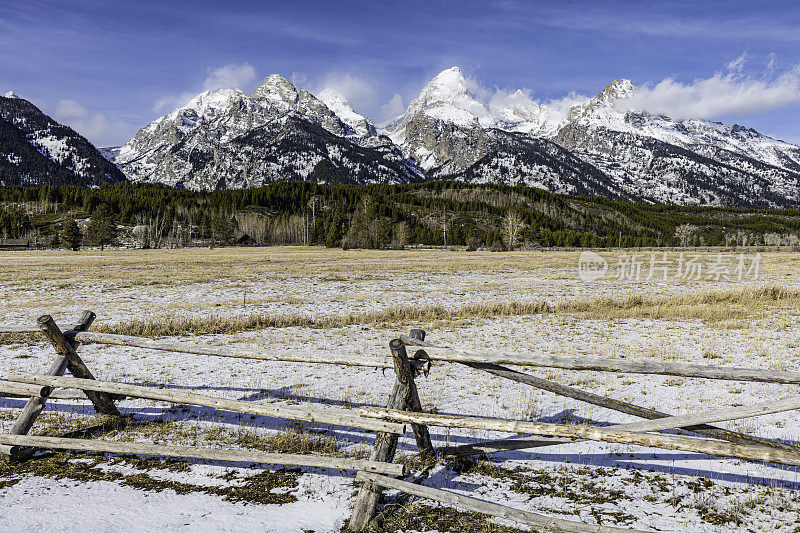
<point x="610" y="109"/>
<point x="361" y="125"/>
<point x="450" y="134"/>
<point x="228" y="139"/>
<point x="35" y="149"/>
<point x="519" y="159"/>
<point x="689" y="162"/>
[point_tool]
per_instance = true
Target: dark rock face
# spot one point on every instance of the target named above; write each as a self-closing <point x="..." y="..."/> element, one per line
<point x="37" y="150"/>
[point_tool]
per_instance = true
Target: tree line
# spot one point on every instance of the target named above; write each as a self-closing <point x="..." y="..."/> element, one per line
<point x="371" y="216"/>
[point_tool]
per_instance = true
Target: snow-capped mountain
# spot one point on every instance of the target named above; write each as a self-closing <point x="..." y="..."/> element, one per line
<point x="360" y="125"/>
<point x="602" y="145"/>
<point x="228" y="139"/>
<point x="623" y="153"/>
<point x="37" y="150"/>
<point x="445" y="129"/>
<point x="685" y="162"/>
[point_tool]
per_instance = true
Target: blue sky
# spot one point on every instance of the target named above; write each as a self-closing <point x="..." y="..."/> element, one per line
<point x="108" y="68"/>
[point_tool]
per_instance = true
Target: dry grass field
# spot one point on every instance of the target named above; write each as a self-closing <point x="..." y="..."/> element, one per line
<point x="327" y="301"/>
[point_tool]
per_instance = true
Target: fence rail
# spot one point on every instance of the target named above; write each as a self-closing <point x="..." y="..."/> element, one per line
<point x="602" y="364"/>
<point x="198" y="349"/>
<point x="211" y="454"/>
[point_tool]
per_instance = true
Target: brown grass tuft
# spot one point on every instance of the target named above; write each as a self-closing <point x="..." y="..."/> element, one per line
<point x="704" y="305"/>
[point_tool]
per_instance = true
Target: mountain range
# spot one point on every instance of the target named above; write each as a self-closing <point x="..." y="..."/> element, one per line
<point x="600" y="146"/>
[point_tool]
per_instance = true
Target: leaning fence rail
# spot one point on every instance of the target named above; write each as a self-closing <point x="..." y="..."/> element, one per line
<point x="602" y="364"/>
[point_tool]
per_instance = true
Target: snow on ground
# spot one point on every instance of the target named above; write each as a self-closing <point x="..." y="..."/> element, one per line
<point x="613" y="484"/>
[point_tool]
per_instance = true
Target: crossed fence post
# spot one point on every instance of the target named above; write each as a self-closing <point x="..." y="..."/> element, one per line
<point x="67" y="359"/>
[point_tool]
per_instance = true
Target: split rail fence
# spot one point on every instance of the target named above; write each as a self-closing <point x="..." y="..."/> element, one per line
<point x="403" y="407"/>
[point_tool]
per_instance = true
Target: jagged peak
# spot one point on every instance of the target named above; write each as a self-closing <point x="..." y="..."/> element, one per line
<point x="276" y="87"/>
<point x="447" y="97"/>
<point x="12" y="94"/>
<point x="620" y="88"/>
<point x="448" y="84"/>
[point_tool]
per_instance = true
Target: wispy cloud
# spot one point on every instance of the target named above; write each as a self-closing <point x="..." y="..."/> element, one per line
<point x="393" y="108"/>
<point x="95" y="126"/>
<point x="361" y="92"/>
<point x="658" y="23"/>
<point x="231" y="76"/>
<point x="724" y="93"/>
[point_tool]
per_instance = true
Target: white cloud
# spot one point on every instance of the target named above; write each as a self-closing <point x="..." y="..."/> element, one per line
<point x="736" y="66"/>
<point x="95" y="126"/>
<point x="559" y="107"/>
<point x="360" y="92"/>
<point x="231" y="76"/>
<point x="522" y="104"/>
<point x="476" y="89"/>
<point x="719" y="95"/>
<point x="298" y="78"/>
<point x="393" y="108"/>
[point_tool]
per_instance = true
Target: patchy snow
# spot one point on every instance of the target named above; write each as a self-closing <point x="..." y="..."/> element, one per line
<point x="630" y="486"/>
<point x="341" y="107"/>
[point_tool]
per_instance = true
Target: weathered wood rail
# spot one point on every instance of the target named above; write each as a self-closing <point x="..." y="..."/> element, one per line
<point x="209" y="454"/>
<point x="198" y="349"/>
<point x="403" y="407"/>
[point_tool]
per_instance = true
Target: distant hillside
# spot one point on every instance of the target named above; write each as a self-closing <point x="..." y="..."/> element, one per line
<point x="384" y="216"/>
<point x="37" y="150"/>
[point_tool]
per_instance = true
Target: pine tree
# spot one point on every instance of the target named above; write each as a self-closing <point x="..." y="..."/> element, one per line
<point x="102" y="230"/>
<point x="71" y="235"/>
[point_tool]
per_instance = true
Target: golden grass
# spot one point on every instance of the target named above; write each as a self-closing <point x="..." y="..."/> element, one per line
<point x="730" y="304"/>
<point x="709" y="305"/>
<point x="62" y="270"/>
<point x="201" y="265"/>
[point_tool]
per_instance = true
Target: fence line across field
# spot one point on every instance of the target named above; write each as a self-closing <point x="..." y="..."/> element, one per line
<point x="417" y="339"/>
<point x="402" y="407"/>
<point x="443" y="354"/>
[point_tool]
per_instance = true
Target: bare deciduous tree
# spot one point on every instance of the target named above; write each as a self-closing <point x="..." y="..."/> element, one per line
<point x="684" y="233"/>
<point x="511" y="229"/>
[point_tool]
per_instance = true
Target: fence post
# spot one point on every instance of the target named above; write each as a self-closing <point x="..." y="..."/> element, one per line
<point x="67" y="358"/>
<point x="386" y="443"/>
<point x="421" y="433"/>
<point x="66" y="348"/>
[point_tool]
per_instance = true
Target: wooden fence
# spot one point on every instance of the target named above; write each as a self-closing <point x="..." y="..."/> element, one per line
<point x="403" y="407"/>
